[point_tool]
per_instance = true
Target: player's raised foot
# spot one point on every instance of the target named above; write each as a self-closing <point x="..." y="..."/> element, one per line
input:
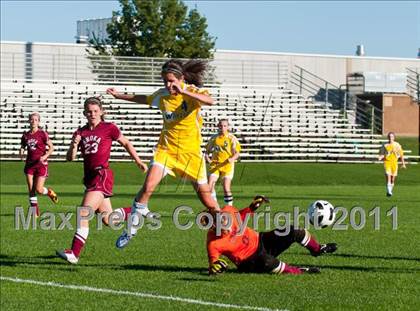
<point x="123" y="240"/>
<point x="68" y="255"/>
<point x="325" y="249"/>
<point x="52" y="195"/>
<point x="310" y="269"/>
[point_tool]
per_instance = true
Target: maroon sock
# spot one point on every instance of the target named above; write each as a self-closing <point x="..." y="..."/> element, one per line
<point x="125" y="211"/>
<point x="78" y="244"/>
<point x="291" y="270"/>
<point x="310" y="243"/>
<point x="33" y="202"/>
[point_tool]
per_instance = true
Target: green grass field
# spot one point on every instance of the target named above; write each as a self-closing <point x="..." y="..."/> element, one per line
<point x="372" y="269"/>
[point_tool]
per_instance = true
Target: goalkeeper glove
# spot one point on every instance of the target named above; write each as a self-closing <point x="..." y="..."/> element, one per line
<point x="257" y="202"/>
<point x="218" y="266"/>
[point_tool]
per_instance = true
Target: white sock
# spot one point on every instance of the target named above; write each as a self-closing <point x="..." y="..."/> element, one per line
<point x="392" y="187"/>
<point x="137" y="210"/>
<point x="140" y="208"/>
<point x="45" y="191"/>
<point x="33" y="200"/>
<point x="83" y="232"/>
<point x="389" y="188"/>
<point x="228" y="200"/>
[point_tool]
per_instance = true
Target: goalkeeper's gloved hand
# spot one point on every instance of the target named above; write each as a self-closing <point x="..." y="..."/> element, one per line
<point x="218" y="266"/>
<point x="257" y="202"/>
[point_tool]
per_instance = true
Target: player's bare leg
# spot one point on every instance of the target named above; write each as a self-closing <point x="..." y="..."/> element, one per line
<point x="140" y="204"/>
<point x="33" y="200"/>
<point x="389" y="184"/>
<point x="40" y="189"/>
<point x="91" y="202"/>
<point x="392" y="180"/>
<point x="212" y="184"/>
<point x="204" y="194"/>
<point x="105" y="210"/>
<point x="228" y="197"/>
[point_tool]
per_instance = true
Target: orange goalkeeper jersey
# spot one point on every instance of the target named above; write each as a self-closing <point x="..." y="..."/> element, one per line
<point x="236" y="247"/>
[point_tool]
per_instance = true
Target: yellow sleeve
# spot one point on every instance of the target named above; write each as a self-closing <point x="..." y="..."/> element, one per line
<point x="154" y="99"/>
<point x="235" y="144"/>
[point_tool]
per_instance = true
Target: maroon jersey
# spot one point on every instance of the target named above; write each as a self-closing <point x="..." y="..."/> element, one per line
<point x="95" y="145"/>
<point x="35" y="144"/>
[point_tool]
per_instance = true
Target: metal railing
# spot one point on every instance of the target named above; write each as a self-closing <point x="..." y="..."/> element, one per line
<point x="111" y="69"/>
<point x="331" y="96"/>
<point x="413" y="83"/>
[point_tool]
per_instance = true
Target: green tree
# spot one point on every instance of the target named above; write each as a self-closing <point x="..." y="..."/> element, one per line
<point x="156" y="28"/>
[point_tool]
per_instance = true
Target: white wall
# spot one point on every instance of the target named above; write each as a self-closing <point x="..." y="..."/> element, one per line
<point x="330" y="67"/>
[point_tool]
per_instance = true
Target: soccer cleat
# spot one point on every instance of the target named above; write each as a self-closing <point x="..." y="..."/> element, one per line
<point x="52" y="195"/>
<point x="68" y="255"/>
<point x="123" y="240"/>
<point x="310" y="269"/>
<point x="389" y="194"/>
<point x="325" y="249"/>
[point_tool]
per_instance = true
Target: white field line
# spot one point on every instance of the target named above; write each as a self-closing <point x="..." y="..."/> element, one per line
<point x="137" y="294"/>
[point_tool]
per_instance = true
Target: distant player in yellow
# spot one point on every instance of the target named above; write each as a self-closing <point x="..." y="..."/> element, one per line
<point x="390" y="153"/>
<point x="224" y="149"/>
<point x="178" y="151"/>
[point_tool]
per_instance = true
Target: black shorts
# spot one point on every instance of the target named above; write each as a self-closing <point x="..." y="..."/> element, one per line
<point x="271" y="244"/>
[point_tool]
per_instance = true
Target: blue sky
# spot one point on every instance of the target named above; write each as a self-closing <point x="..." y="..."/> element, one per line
<point x="386" y="28"/>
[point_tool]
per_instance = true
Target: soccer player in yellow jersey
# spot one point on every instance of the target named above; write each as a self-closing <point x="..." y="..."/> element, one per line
<point x="390" y="153"/>
<point x="178" y="151"/>
<point x="224" y="149"/>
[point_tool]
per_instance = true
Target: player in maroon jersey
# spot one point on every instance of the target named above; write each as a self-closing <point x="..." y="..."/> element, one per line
<point x="94" y="141"/>
<point x="35" y="141"/>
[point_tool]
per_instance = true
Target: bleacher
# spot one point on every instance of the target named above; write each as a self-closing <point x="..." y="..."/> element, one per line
<point x="271" y="123"/>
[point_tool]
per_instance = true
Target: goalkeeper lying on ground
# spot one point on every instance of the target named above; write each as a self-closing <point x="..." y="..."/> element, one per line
<point x="256" y="252"/>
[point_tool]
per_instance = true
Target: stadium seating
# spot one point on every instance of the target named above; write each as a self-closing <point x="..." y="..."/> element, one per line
<point x="271" y="123"/>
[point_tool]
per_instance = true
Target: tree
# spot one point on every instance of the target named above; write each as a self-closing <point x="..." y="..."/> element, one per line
<point x="156" y="28"/>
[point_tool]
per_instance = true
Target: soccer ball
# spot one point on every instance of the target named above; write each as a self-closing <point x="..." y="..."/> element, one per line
<point x="321" y="213"/>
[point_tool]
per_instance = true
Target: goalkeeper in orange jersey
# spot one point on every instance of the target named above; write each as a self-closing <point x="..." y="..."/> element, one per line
<point x="390" y="153"/>
<point x="257" y="252"/>
<point x="224" y="150"/>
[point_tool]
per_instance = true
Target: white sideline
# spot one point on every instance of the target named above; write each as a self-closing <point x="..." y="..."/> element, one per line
<point x="137" y="294"/>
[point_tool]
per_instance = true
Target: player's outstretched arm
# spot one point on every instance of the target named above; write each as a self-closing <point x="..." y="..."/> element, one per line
<point x="255" y="204"/>
<point x="123" y="141"/>
<point x="140" y="99"/>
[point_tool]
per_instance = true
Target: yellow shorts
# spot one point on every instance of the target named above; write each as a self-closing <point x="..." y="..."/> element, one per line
<point x="391" y="168"/>
<point x="187" y="165"/>
<point x="224" y="170"/>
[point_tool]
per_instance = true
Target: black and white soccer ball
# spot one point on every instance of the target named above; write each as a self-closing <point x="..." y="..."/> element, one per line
<point x="321" y="213"/>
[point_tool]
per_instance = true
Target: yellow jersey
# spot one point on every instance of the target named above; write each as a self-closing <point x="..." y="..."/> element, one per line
<point x="182" y="121"/>
<point x="222" y="147"/>
<point x="392" y="151"/>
